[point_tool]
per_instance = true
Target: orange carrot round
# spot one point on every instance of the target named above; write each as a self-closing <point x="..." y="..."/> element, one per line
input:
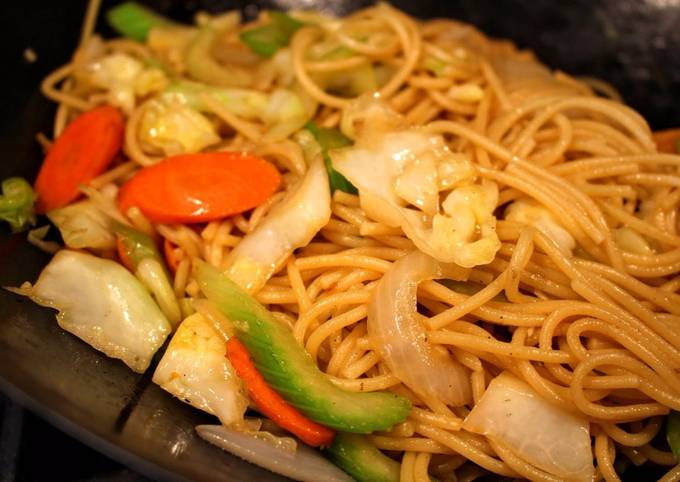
<point x="194" y="188"/>
<point x="271" y="404"/>
<point x="84" y="150"/>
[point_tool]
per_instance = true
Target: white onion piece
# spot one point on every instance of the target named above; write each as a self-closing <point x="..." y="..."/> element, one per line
<point x="540" y="433"/>
<point x="304" y="464"/>
<point x="396" y="331"/>
<point x="291" y="224"/>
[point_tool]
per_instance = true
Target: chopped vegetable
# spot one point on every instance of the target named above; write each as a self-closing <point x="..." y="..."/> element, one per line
<point x="304" y="464"/>
<point x="138" y="252"/>
<point x="332" y="139"/>
<point x="283" y="111"/>
<point x="134" y="246"/>
<point x="469" y="288"/>
<point x="289" y="369"/>
<point x="436" y="65"/>
<point x="200" y="187"/>
<point x="85" y="149"/>
<point x="194" y="368"/>
<point x="172" y="128"/>
<point x="169" y="253"/>
<point x="16" y="203"/>
<point x="246" y="103"/>
<point x="668" y="141"/>
<point x="84" y="226"/>
<point x="289" y="225"/>
<point x="124" y="78"/>
<point x="356" y="455"/>
<point x="394" y="327"/>
<point x="531" y="213"/>
<point x="100" y="302"/>
<point x="673" y="433"/>
<point x="267" y="39"/>
<point x="271" y="404"/>
<point x="403" y="173"/>
<point x="540" y="433"/>
<point x="135" y="21"/>
<point x="630" y="240"/>
<point x="200" y="63"/>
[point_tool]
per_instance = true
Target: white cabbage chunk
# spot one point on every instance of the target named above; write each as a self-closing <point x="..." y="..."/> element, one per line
<point x="540" y="433"/>
<point x="83" y="225"/>
<point x="172" y="128"/>
<point x="403" y="174"/>
<point x="195" y="369"/>
<point x="124" y="78"/>
<point x="102" y="303"/>
<point x="531" y="213"/>
<point x="630" y="240"/>
<point x="291" y="224"/>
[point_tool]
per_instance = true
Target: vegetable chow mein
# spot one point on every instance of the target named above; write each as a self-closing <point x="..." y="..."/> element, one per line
<point x="375" y="248"/>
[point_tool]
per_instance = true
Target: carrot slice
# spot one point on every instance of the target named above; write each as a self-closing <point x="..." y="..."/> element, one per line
<point x="200" y="187"/>
<point x="170" y="258"/>
<point x="85" y="149"/>
<point x="271" y="404"/>
<point x="668" y="140"/>
<point x="122" y="255"/>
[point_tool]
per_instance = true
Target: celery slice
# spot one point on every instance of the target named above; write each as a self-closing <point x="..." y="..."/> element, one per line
<point x="135" y="21"/>
<point x="289" y="369"/>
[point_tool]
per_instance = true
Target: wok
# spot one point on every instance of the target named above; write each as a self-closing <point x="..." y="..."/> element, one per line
<point x="633" y="44"/>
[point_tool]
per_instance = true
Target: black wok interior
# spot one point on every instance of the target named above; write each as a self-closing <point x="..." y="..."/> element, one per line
<point x="634" y="44"/>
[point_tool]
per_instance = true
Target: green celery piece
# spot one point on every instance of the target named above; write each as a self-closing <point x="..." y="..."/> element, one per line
<point x="268" y="39"/>
<point x="289" y="369"/>
<point x="136" y="245"/>
<point x="332" y="139"/>
<point x="359" y="457"/>
<point x="135" y="21"/>
<point x="673" y="433"/>
<point x="677" y="145"/>
<point x="16" y="203"/>
<point x="356" y="455"/>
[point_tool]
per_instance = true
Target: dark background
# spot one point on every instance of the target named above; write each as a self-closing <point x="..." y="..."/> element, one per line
<point x="633" y="44"/>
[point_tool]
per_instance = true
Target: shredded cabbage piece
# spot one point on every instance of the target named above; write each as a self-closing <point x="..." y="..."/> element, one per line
<point x="102" y="303"/>
<point x="170" y="127"/>
<point x="196" y="370"/>
<point x="291" y="224"/>
<point x="124" y="78"/>
<point x="84" y="226"/>
<point x="542" y="434"/>
<point x="531" y="213"/>
<point x="630" y="240"/>
<point x="403" y="174"/>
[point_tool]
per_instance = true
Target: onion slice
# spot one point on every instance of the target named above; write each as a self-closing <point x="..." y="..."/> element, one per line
<point x="304" y="464"/>
<point x="542" y="434"/>
<point x="397" y="332"/>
